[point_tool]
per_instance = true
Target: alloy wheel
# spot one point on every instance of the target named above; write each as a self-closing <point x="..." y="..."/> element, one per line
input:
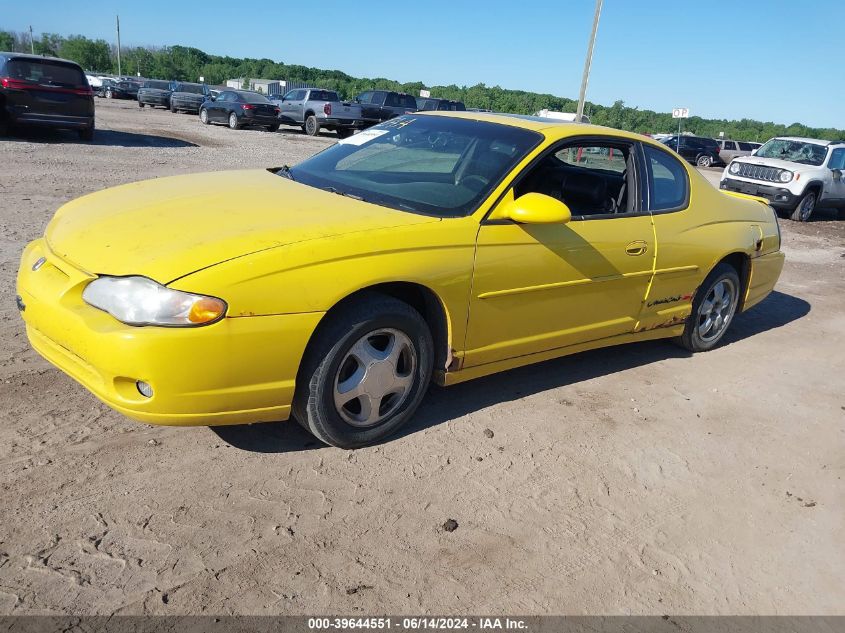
<point x="375" y="378"/>
<point x="808" y="204"/>
<point x="717" y="310"/>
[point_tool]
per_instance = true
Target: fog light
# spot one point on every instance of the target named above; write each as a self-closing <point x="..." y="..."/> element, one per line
<point x="144" y="388"/>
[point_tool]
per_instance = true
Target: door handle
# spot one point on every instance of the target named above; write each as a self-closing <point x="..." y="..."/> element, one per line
<point x="635" y="248"/>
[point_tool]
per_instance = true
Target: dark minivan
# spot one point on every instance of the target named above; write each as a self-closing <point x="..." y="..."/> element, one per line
<point x="45" y="91"/>
<point x="699" y="150"/>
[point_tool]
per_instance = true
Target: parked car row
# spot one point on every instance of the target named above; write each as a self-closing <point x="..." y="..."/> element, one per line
<point x="706" y="152"/>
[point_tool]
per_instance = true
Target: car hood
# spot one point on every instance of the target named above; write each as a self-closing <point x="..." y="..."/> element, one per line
<point x="167" y="228"/>
<point x="772" y="162"/>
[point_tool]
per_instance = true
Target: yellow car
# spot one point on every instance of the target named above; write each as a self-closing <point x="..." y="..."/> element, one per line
<point x="445" y="245"/>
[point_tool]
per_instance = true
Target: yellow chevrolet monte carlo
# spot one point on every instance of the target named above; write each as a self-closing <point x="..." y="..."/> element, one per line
<point x="443" y="246"/>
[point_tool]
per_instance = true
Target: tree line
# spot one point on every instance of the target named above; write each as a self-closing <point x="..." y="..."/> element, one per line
<point x="189" y="64"/>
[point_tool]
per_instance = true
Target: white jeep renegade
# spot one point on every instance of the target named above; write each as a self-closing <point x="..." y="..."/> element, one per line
<point x="794" y="174"/>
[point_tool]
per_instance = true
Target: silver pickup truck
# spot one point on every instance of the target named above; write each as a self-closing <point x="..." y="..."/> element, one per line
<point x="314" y="109"/>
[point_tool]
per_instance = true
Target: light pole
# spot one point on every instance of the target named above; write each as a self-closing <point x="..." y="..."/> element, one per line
<point x="118" y="45"/>
<point x="588" y="63"/>
<point x="31" y="41"/>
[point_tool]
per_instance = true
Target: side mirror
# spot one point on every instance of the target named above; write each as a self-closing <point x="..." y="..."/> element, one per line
<point x="535" y="208"/>
<point x="837" y="175"/>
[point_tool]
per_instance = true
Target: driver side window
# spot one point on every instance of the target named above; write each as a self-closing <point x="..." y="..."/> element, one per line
<point x="593" y="178"/>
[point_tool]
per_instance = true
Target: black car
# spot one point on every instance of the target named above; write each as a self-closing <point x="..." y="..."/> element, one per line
<point x="188" y="97"/>
<point x="426" y="104"/>
<point x="240" y="108"/>
<point x="155" y="92"/>
<point x="45" y="91"/>
<point x="381" y="105"/>
<point x="699" y="150"/>
<point x="118" y="89"/>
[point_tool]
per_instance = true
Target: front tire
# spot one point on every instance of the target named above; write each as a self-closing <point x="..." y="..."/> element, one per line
<point x="109" y="94"/>
<point x="204" y="116"/>
<point x="233" y="121"/>
<point x="365" y="373"/>
<point x="173" y="109"/>
<point x="312" y="126"/>
<point x="805" y="207"/>
<point x="140" y="105"/>
<point x="713" y="309"/>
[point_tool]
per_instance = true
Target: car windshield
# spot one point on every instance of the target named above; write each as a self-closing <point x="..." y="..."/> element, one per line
<point x="324" y="95"/>
<point x="432" y="165"/>
<point x="158" y="85"/>
<point x="196" y="89"/>
<point x="46" y="72"/>
<point x="793" y="151"/>
<point x="253" y="97"/>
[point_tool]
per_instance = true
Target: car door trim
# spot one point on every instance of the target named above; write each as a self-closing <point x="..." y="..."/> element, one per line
<point x="563" y="284"/>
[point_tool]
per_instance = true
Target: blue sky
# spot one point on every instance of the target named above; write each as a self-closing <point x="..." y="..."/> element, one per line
<point x="773" y="60"/>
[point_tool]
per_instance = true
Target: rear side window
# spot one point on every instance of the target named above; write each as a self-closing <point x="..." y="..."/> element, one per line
<point x="46" y="72"/>
<point x="668" y="185"/>
<point x="730" y="145"/>
<point x="407" y="101"/>
<point x="745" y="147"/>
<point x="323" y="95"/>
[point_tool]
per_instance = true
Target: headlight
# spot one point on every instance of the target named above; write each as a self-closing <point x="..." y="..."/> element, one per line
<point x="785" y="175"/>
<point x="141" y="301"/>
<point x="734" y="168"/>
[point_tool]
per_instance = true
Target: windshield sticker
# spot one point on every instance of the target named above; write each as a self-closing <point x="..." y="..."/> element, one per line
<point x="362" y="137"/>
<point x="398" y="122"/>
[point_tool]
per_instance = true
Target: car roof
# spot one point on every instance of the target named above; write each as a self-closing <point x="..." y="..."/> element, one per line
<point x="550" y="128"/>
<point x="37" y="58"/>
<point x="802" y="139"/>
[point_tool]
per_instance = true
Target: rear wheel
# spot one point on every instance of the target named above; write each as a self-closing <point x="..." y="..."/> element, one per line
<point x="343" y="132"/>
<point x="204" y="116"/>
<point x="233" y="121"/>
<point x="140" y="105"/>
<point x="87" y="134"/>
<point x="312" y="126"/>
<point x="804" y="209"/>
<point x="109" y="94"/>
<point x="365" y="373"/>
<point x="173" y="109"/>
<point x="704" y="161"/>
<point x="713" y="309"/>
<point x="273" y="128"/>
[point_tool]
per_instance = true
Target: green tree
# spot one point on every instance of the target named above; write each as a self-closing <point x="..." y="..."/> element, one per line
<point x="90" y="54"/>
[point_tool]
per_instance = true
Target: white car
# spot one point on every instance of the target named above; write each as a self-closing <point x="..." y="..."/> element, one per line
<point x="794" y="174"/>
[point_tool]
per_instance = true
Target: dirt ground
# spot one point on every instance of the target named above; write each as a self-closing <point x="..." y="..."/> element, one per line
<point x="635" y="480"/>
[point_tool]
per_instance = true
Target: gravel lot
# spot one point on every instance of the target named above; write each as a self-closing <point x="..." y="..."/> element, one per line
<point x="630" y="480"/>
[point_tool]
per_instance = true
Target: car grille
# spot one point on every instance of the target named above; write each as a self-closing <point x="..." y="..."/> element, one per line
<point x="759" y="172"/>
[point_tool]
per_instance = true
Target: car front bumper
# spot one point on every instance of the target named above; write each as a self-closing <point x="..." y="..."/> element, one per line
<point x="158" y="100"/>
<point x="778" y="197"/>
<point x="238" y="370"/>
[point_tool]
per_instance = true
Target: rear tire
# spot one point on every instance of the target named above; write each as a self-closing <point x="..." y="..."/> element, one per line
<point x="704" y="161"/>
<point x="713" y="308"/>
<point x="805" y="207"/>
<point x="173" y="109"/>
<point x="312" y="126"/>
<point x="233" y="121"/>
<point x="140" y="105"/>
<point x="273" y="128"/>
<point x="343" y="133"/>
<point x="87" y="134"/>
<point x="109" y="94"/>
<point x="380" y="348"/>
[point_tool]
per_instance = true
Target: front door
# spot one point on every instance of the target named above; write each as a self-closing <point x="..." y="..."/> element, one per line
<point x="546" y="286"/>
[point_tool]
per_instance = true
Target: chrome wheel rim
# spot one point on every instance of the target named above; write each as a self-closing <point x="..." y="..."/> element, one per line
<point x="310" y="126"/>
<point x="807" y="206"/>
<point x="375" y="378"/>
<point x="717" y="310"/>
<point x="204" y="116"/>
<point x="704" y="161"/>
<point x="233" y="121"/>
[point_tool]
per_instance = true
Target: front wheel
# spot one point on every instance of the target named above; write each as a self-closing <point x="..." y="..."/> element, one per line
<point x="365" y="373"/>
<point x="704" y="161"/>
<point x="108" y="94"/>
<point x="804" y="209"/>
<point x="233" y="121"/>
<point x="173" y="108"/>
<point x="204" y="116"/>
<point x="312" y="126"/>
<point x="713" y="309"/>
<point x="140" y="105"/>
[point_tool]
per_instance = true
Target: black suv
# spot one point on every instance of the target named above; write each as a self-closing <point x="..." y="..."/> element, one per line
<point x="699" y="150"/>
<point x="381" y="105"/>
<point x="425" y="104"/>
<point x="45" y="91"/>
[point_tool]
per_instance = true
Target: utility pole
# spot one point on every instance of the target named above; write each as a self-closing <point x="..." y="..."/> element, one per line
<point x="118" y="46"/>
<point x="31" y="41"/>
<point x="588" y="63"/>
